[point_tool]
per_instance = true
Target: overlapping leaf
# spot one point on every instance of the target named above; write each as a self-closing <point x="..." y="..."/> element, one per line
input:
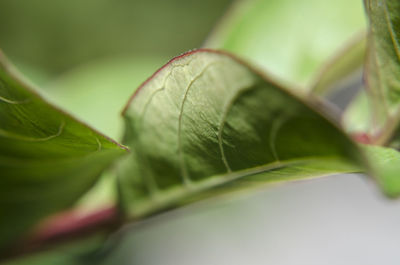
<point x="206" y="120"/>
<point x="47" y="158"/>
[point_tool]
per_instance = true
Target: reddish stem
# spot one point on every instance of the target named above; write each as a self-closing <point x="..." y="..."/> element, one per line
<point x="363" y="138"/>
<point x="66" y="226"/>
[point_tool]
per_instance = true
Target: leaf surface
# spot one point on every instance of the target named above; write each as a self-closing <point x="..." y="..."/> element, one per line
<point x="47" y="158"/>
<point x="207" y="121"/>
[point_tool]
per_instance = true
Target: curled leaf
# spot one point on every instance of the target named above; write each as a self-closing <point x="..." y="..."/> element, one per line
<point x="206" y="121"/>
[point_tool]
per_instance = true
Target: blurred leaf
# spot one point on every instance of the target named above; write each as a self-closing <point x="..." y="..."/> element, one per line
<point x="383" y="62"/>
<point x="342" y="66"/>
<point x="107" y="85"/>
<point x="385" y="167"/>
<point x="358" y="115"/>
<point x="291" y="39"/>
<point x="47" y="158"/>
<point x="58" y="35"/>
<point x="206" y="120"/>
<point x="103" y="194"/>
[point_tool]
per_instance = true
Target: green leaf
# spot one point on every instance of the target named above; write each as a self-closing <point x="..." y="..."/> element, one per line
<point x="43" y="35"/>
<point x="290" y="39"/>
<point x="206" y="121"/>
<point x="47" y="158"/>
<point x="358" y="116"/>
<point x="110" y="81"/>
<point x="383" y="62"/>
<point x="385" y="163"/>
<point x="341" y="67"/>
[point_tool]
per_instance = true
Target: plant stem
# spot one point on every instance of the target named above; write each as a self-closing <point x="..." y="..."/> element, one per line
<point x="63" y="227"/>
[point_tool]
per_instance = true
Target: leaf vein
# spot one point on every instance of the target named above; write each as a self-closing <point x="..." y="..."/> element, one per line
<point x="13" y="102"/>
<point x="222" y="122"/>
<point x="14" y="136"/>
<point x="161" y="88"/>
<point x="184" y="172"/>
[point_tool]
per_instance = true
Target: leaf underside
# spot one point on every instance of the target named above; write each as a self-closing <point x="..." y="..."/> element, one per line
<point x="47" y="158"/>
<point x="205" y="120"/>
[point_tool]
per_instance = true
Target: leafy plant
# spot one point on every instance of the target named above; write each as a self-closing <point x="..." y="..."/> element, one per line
<point x="205" y="124"/>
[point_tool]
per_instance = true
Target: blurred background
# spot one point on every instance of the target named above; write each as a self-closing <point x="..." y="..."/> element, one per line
<point x="100" y="50"/>
<point x="90" y="56"/>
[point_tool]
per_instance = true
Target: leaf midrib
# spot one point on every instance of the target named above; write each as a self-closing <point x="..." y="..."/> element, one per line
<point x="165" y="198"/>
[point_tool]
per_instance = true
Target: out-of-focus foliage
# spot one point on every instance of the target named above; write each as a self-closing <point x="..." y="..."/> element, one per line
<point x="345" y="64"/>
<point x="290" y="39"/>
<point x="357" y="117"/>
<point x="106" y="84"/>
<point x="99" y="51"/>
<point x="56" y="35"/>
